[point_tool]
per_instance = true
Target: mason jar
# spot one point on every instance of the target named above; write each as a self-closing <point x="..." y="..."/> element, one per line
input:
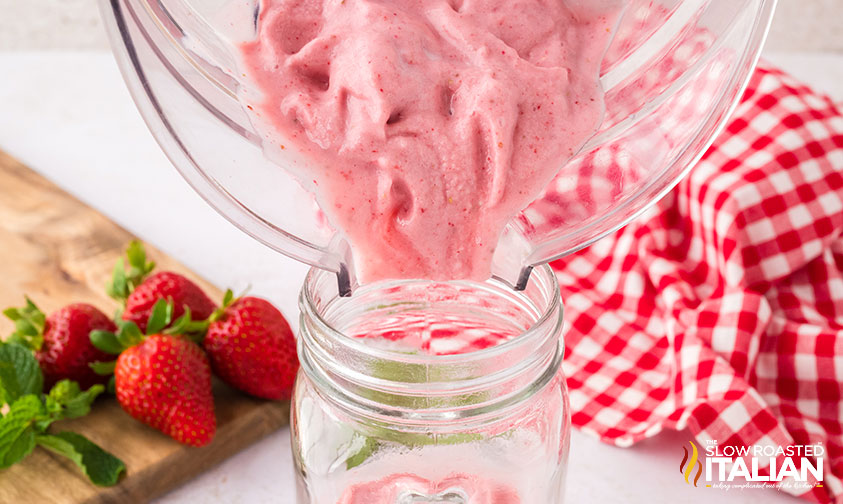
<point x="417" y="392"/>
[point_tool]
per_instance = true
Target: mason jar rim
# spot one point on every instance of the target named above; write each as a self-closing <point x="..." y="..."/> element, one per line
<point x="543" y="273"/>
<point x="426" y="389"/>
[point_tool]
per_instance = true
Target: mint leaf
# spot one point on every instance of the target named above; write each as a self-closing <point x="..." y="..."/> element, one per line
<point x="400" y="371"/>
<point x="29" y="325"/>
<point x="381" y="436"/>
<point x="17" y="437"/>
<point x="81" y="404"/>
<point x="370" y="446"/>
<point x="28" y="417"/>
<point x="101" y="467"/>
<point x="74" y="403"/>
<point x="19" y="373"/>
<point x="64" y="391"/>
<point x="19" y="448"/>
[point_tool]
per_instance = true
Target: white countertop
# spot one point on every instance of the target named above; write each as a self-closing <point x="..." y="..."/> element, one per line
<point x="69" y="116"/>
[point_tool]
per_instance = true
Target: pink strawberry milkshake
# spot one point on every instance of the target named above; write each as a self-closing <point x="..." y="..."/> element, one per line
<point x="404" y="487"/>
<point x="424" y="126"/>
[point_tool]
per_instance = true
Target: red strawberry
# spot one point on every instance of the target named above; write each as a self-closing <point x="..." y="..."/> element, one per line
<point x="139" y="294"/>
<point x="169" y="286"/>
<point x="165" y="382"/>
<point x="252" y="348"/>
<point x="61" y="341"/>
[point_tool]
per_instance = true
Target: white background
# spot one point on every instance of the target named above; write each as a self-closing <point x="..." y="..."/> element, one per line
<point x="68" y="115"/>
<point x="74" y="24"/>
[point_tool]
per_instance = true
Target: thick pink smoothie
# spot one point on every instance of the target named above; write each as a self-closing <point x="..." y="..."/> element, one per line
<point x="391" y="489"/>
<point x="424" y="126"/>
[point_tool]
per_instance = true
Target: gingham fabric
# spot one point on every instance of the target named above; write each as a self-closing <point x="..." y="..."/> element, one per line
<point x="721" y="309"/>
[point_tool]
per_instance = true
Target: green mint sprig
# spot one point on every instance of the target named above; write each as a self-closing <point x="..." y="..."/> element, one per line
<point x="30" y="322"/>
<point x="19" y="373"/>
<point x="379" y="436"/>
<point x="30" y="413"/>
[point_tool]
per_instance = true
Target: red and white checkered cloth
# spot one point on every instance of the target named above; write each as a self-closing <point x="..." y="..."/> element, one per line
<point x="721" y="309"/>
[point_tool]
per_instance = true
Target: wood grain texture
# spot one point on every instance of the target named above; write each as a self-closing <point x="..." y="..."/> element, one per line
<point x="58" y="250"/>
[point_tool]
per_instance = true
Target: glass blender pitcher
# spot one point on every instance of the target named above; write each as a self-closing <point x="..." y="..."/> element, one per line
<point x="672" y="75"/>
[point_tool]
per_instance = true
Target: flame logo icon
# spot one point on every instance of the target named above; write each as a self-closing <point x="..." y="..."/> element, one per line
<point x="687" y="470"/>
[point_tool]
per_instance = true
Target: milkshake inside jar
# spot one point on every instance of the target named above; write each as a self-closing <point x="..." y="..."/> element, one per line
<point x="417" y="391"/>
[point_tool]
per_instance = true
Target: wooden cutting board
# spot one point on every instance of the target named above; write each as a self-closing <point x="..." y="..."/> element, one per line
<point x="58" y="250"/>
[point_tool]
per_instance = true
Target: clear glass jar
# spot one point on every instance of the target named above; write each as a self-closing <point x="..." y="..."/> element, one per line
<point x="422" y="392"/>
